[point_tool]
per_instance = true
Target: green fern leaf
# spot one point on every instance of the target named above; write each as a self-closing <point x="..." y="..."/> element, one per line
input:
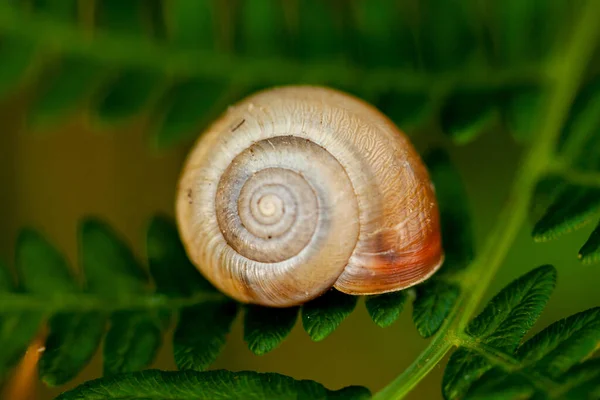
<point x="385" y="309"/>
<point x="17" y="57"/>
<point x="71" y="343"/>
<point x="319" y="34"/>
<point x="188" y="106"/>
<point x="202" y="329"/>
<point x="497" y="384"/>
<point x="262" y="31"/>
<point x="523" y="37"/>
<point x="545" y="193"/>
<point x="321" y="316"/>
<point x="464" y="368"/>
<point x="380" y="27"/>
<point x="110" y="268"/>
<point x="42" y="269"/>
<point x="564" y="343"/>
<point x="563" y="203"/>
<point x="66" y="91"/>
<point x="550" y="364"/>
<point x="183" y="385"/>
<point x="446" y="35"/>
<point x="201" y="334"/>
<point x="127" y="95"/>
<point x="16" y="332"/>
<point x="350" y="392"/>
<point x="169" y="265"/>
<point x="501" y="325"/>
<point x="579" y="141"/>
<point x="132" y="342"/>
<point x="16" y="329"/>
<point x="120" y="16"/>
<point x="434" y="302"/>
<point x="265" y="328"/>
<point x="575" y="207"/>
<point x="192" y="24"/>
<point x="406" y="109"/>
<point x="514" y="310"/>
<point x="520" y="111"/>
<point x="73" y="337"/>
<point x="468" y="113"/>
<point x="62" y="9"/>
<point x="583" y="380"/>
<point x="590" y="252"/>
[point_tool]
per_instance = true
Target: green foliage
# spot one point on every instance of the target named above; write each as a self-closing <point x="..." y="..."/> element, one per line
<point x="117" y="293"/>
<point x="434" y="302"/>
<point x="201" y="334"/>
<point x="72" y="341"/>
<point x="321" y="316"/>
<point x="493" y="364"/>
<point x="63" y="91"/>
<point x="153" y="384"/>
<point x="572" y="209"/>
<point x="513" y="311"/>
<point x="563" y="344"/>
<point x="26" y="324"/>
<point x="385" y="308"/>
<point x="132" y="341"/>
<point x="468" y="113"/>
<point x="265" y="328"/>
<point x="186" y="104"/>
<point x="183" y="62"/>
<point x="571" y="200"/>
<point x="590" y="252"/>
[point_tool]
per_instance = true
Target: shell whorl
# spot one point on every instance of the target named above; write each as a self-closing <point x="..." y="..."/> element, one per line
<point x="298" y="189"/>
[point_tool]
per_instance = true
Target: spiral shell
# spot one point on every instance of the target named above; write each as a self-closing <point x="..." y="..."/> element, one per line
<point x="298" y="189"/>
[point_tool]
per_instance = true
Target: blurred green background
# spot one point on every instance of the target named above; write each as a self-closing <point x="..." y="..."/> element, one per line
<point x="51" y="179"/>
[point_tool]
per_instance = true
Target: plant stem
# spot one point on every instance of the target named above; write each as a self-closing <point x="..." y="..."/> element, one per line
<point x="427" y="360"/>
<point x="567" y="72"/>
<point x="83" y="302"/>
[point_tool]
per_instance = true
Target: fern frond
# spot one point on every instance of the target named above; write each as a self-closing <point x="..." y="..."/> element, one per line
<point x="183" y="63"/>
<point x="568" y="198"/>
<point x="188" y="385"/>
<point x="116" y="291"/>
<point x="492" y="363"/>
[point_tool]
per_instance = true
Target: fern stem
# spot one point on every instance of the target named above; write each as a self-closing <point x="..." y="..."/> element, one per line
<point x="567" y="70"/>
<point x="508" y="363"/>
<point x="428" y="359"/>
<point x="83" y="302"/>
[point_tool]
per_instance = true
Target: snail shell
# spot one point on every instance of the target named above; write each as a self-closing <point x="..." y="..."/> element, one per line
<point x="298" y="189"/>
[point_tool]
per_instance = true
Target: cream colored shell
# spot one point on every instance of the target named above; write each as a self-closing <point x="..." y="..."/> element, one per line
<point x="298" y="189"/>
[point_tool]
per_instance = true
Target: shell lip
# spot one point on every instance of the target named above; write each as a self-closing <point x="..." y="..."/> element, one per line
<point x="422" y="279"/>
